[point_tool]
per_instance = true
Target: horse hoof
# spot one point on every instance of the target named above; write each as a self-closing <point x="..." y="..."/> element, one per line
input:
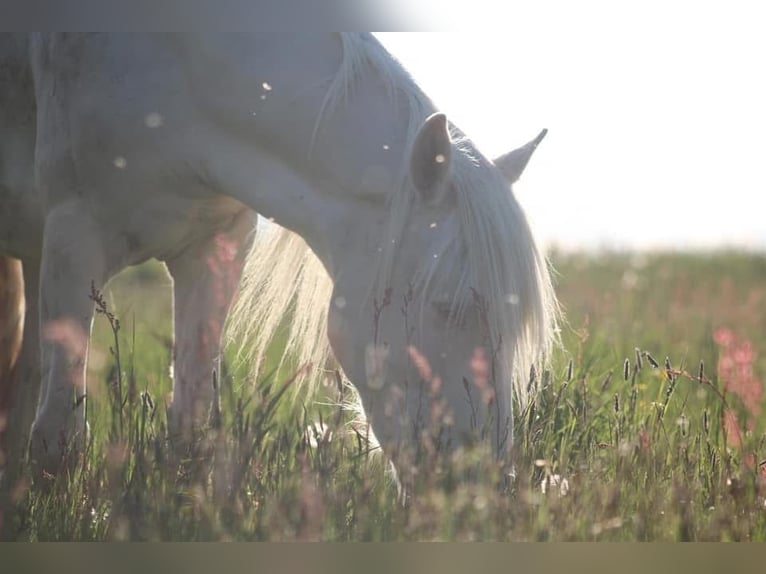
<point x="46" y="454"/>
<point x="53" y="452"/>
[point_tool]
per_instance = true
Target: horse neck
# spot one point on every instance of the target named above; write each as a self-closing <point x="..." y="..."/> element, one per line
<point x="351" y="126"/>
<point x="336" y="111"/>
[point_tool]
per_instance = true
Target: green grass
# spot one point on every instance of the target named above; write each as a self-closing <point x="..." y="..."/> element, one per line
<point x="646" y="457"/>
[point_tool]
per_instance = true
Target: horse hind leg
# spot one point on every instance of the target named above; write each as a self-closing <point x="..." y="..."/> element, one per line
<point x="19" y="380"/>
<point x="205" y="280"/>
<point x="20" y="386"/>
<point x="11" y="332"/>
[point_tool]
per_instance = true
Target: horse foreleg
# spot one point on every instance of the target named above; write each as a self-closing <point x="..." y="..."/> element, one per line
<point x="205" y="280"/>
<point x="73" y="262"/>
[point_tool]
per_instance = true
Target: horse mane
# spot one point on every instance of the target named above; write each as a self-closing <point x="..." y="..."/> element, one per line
<point x="283" y="280"/>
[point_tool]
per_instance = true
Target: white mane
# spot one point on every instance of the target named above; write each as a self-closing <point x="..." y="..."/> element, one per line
<point x="284" y="281"/>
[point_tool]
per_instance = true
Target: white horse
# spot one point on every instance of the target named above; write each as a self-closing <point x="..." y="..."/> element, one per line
<point x="411" y="250"/>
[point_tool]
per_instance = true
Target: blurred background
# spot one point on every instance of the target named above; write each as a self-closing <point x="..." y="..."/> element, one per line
<point x="655" y="115"/>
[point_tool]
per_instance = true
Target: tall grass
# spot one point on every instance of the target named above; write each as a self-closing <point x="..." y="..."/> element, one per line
<point x="647" y="427"/>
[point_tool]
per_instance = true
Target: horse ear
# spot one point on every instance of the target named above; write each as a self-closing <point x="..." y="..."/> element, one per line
<point x="431" y="154"/>
<point x="513" y="163"/>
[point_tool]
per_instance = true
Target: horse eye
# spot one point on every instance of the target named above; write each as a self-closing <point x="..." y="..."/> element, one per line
<point x="447" y="309"/>
<point x="452" y="313"/>
<point x="443" y="308"/>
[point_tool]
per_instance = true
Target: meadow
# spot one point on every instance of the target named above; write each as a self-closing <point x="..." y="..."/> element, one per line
<point x="648" y="428"/>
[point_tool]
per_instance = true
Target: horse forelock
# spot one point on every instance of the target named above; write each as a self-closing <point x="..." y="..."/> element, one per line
<point x="509" y="275"/>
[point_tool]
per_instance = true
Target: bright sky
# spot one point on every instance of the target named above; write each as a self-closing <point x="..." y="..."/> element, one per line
<point x="656" y="116"/>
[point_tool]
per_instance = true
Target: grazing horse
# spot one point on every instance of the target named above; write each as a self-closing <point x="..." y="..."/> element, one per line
<point x="397" y="237"/>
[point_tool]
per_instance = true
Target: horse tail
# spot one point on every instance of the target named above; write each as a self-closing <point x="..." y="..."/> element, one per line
<point x="11" y="330"/>
<point x="283" y="299"/>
